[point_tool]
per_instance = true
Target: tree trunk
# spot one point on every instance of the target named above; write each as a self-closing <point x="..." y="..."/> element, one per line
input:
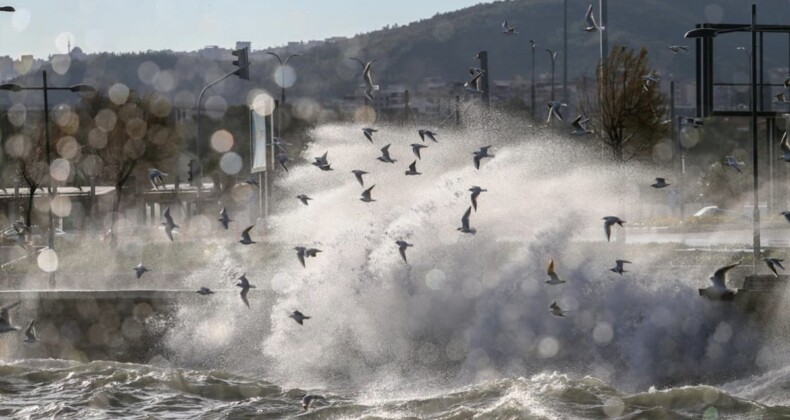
<point x="116" y="209"/>
<point x="29" y="213"/>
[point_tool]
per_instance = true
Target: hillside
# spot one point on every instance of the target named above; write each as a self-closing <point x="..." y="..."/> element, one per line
<point x="444" y="46"/>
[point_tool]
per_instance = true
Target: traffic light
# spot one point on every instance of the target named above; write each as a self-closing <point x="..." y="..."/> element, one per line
<point x="243" y="63"/>
<point x="191" y="171"/>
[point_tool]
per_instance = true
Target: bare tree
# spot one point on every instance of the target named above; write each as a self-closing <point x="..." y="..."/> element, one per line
<point x="28" y="149"/>
<point x="626" y="111"/>
<point x="126" y="136"/>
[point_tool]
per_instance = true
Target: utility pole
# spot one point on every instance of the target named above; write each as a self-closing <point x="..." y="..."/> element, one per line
<point x="603" y="9"/>
<point x="565" y="54"/>
<point x="532" y="88"/>
<point x="482" y="58"/>
<point x="755" y="160"/>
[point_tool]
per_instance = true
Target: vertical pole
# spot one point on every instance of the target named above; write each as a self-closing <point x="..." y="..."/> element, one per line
<point x="482" y="57"/>
<point x="565" y="54"/>
<point x="271" y="156"/>
<point x="51" y="233"/>
<point x="406" y="111"/>
<point x="532" y="88"/>
<point x="769" y="137"/>
<point x="755" y="161"/>
<point x="604" y="12"/>
<point x="457" y="110"/>
<point x="552" y="75"/>
<point x="282" y="104"/>
<point x="700" y="82"/>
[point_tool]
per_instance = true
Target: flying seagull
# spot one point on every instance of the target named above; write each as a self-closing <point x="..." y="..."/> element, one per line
<point x="366" y="195"/>
<point x="322" y="163"/>
<point x="366" y="77"/>
<point x="169" y="224"/>
<point x="579" y="125"/>
<point x="785" y="146"/>
<point x="554" y="110"/>
<point x="157" y="178"/>
<point x="618" y="268"/>
<point x="369" y="133"/>
<point x="648" y="79"/>
<point x="474" y="82"/>
<point x="427" y="133"/>
<point x="719" y="290"/>
<point x="245" y="288"/>
<point x="413" y="169"/>
<point x="480" y="154"/>
<point x="678" y="48"/>
<point x="31" y="336"/>
<point x="385" y="155"/>
<point x="733" y="163"/>
<point x="556" y="310"/>
<point x="245" y="236"/>
<point x="660" y="183"/>
<point x="140" y="269"/>
<point x="402" y="245"/>
<point x="298" y="317"/>
<point x="5" y="319"/>
<point x="358" y="174"/>
<point x="465" y="223"/>
<point x="303" y="198"/>
<point x="786" y="214"/>
<point x="772" y="263"/>
<point x="224" y="219"/>
<point x="476" y="193"/>
<point x="205" y="291"/>
<point x="509" y="30"/>
<point x="300" y="254"/>
<point x="607" y="225"/>
<point x="415" y="148"/>
<point x="592" y="26"/>
<point x="553" y="277"/>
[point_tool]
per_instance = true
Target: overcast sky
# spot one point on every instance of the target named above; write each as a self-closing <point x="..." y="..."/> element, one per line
<point x="42" y="27"/>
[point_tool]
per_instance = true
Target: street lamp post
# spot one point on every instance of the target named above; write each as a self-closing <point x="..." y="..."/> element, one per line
<point x="553" y="56"/>
<point x="710" y="33"/>
<point x="532" y="88"/>
<point x="283" y="63"/>
<point x="46" y="88"/>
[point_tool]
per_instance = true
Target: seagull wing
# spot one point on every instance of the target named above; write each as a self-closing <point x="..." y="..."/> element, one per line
<point x="30" y="332"/>
<point x="474" y="199"/>
<point x="245" y="235"/>
<point x="413" y="166"/>
<point x="402" y="251"/>
<point x="358" y="175"/>
<point x="385" y="151"/>
<point x="589" y="17"/>
<point x="361" y="63"/>
<point x="4" y="317"/>
<point x="607" y="227"/>
<point x="244" y="291"/>
<point x="465" y="218"/>
<point x="476" y="161"/>
<point x="719" y="276"/>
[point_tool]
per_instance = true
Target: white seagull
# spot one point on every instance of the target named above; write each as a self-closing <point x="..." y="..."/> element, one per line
<point x="592" y="26"/>
<point x="553" y="277"/>
<point x="719" y="290"/>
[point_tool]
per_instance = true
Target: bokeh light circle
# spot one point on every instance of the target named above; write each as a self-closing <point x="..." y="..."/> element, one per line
<point x="284" y="76"/>
<point x="48" y="260"/>
<point x="60" y="169"/>
<point x="435" y="279"/>
<point x="222" y="141"/>
<point x="230" y="163"/>
<point x="118" y="93"/>
<point x="61" y="206"/>
<point x="262" y="103"/>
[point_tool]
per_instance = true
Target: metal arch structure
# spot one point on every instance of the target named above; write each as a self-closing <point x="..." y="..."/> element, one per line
<point x="705" y="77"/>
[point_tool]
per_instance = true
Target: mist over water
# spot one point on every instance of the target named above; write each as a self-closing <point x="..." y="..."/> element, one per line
<point x="470" y="308"/>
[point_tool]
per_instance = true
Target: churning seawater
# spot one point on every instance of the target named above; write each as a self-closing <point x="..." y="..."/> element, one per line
<point x="463" y="330"/>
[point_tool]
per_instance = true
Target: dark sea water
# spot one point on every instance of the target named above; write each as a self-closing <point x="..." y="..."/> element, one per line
<point x="63" y="389"/>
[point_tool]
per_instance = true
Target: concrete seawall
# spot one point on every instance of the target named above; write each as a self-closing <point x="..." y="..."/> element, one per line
<point x="85" y="325"/>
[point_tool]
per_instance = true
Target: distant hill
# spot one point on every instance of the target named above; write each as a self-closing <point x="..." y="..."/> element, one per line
<point x="444" y="46"/>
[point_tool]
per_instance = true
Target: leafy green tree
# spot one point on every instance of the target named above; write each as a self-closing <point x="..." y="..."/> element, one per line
<point x="625" y="112"/>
